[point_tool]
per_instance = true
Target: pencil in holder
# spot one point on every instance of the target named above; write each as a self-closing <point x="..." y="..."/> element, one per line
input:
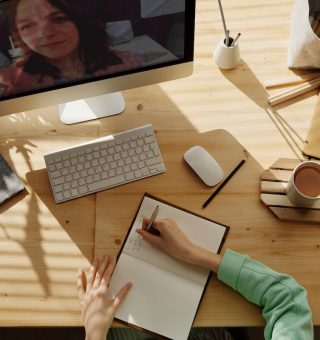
<point x="227" y="56"/>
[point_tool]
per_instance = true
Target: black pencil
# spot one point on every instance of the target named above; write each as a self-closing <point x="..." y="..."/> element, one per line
<point x="223" y="184"/>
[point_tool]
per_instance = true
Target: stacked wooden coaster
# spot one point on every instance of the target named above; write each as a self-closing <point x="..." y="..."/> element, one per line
<point x="273" y="193"/>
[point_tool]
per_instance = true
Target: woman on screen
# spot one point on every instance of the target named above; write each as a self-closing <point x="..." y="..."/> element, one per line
<point x="59" y="44"/>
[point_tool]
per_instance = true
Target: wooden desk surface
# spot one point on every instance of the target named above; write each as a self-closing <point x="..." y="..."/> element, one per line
<point x="42" y="244"/>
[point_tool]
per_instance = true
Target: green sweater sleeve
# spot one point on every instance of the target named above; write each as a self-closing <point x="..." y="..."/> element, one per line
<point x="284" y="303"/>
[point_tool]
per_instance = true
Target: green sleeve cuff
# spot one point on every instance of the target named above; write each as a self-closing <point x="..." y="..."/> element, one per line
<point x="230" y="266"/>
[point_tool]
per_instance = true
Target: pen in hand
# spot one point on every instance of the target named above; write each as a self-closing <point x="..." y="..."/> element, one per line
<point x="149" y="227"/>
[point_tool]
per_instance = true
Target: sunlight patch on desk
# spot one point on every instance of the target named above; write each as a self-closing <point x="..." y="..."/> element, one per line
<point x="57" y="250"/>
<point x="209" y="99"/>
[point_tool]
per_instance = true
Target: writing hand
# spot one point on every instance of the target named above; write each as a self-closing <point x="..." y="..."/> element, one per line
<point x="174" y="242"/>
<point x="170" y="238"/>
<point x="97" y="309"/>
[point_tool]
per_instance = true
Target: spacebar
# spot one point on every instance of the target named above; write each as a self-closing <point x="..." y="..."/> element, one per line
<point x="104" y="184"/>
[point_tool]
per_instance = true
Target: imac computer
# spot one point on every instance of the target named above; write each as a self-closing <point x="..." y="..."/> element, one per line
<point x="80" y="54"/>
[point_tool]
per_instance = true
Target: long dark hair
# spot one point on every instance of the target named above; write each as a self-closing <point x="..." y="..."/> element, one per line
<point x="94" y="51"/>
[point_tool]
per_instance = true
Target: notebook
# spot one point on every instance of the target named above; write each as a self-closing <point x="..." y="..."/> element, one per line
<point x="166" y="292"/>
<point x="10" y="184"/>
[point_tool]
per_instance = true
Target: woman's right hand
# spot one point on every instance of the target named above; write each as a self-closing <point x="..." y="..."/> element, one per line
<point x="171" y="239"/>
<point x="175" y="243"/>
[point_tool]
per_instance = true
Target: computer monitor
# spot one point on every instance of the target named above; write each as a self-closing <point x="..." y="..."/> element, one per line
<point x="81" y="53"/>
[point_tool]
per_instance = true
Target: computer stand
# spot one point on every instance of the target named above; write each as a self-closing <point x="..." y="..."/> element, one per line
<point x="91" y="108"/>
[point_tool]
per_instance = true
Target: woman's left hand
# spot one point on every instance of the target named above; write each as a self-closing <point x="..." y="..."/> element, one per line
<point x="97" y="309"/>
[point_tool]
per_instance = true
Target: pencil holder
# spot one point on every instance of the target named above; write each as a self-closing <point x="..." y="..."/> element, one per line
<point x="227" y="57"/>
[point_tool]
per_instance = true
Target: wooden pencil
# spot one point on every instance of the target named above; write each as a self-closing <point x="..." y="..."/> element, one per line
<point x="294" y="92"/>
<point x="294" y="79"/>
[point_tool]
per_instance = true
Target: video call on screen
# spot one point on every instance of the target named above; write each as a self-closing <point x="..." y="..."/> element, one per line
<point x="48" y="44"/>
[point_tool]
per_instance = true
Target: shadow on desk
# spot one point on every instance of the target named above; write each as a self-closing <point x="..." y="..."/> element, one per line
<point x="75" y="216"/>
<point x="251" y="86"/>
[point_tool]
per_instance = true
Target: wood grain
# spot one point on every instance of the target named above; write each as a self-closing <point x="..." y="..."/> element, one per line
<point x="43" y="244"/>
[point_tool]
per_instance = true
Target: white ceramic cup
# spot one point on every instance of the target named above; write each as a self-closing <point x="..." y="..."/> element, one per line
<point x="303" y="188"/>
<point x="227" y="57"/>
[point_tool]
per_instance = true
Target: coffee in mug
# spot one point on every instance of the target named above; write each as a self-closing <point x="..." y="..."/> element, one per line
<point x="304" y="184"/>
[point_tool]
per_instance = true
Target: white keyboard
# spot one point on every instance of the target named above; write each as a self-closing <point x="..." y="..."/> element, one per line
<point x="104" y="163"/>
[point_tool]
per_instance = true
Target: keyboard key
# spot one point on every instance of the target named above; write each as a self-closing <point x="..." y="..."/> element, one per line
<point x="97" y="177"/>
<point x="130" y="176"/>
<point x="106" y="167"/>
<point x="145" y="171"/>
<point x="111" y="173"/>
<point x="106" y="183"/>
<point x="56" y="174"/>
<point x="98" y="169"/>
<point x="83" y="189"/>
<point x="58" y="181"/>
<point x="82" y="181"/>
<point x="64" y="172"/>
<point x="157" y="167"/>
<point x="141" y="165"/>
<point x="89" y="180"/>
<point x="66" y="186"/>
<point x="74" y="192"/>
<point x="119" y="171"/>
<point x="76" y="176"/>
<point x="153" y="161"/>
<point x="67" y="194"/>
<point x="74" y="184"/>
<point x="134" y="167"/>
<point x="149" y="140"/>
<point x="79" y="167"/>
<point x="104" y="175"/>
<point x="59" y="196"/>
<point x="128" y="160"/>
<point x="138" y="173"/>
<point x="58" y="188"/>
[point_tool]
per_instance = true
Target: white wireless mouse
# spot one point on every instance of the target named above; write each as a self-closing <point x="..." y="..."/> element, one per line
<point x="204" y="165"/>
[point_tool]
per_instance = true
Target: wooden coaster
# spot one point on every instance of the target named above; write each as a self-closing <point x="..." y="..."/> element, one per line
<point x="273" y="193"/>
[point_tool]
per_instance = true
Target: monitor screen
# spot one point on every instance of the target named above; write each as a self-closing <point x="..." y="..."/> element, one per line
<point x="53" y="51"/>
